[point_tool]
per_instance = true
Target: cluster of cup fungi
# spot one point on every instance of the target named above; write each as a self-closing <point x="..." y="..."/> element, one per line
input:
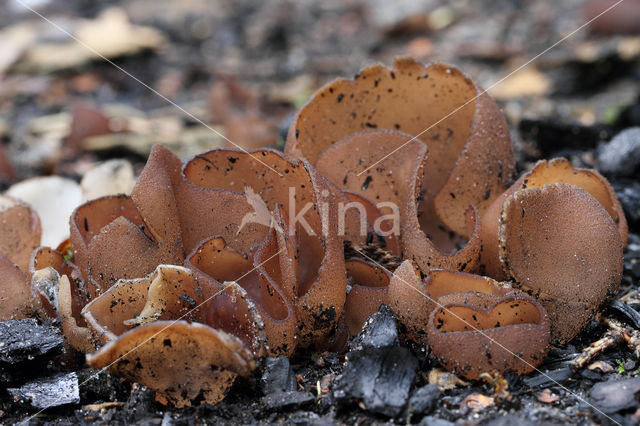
<point x="211" y="265"/>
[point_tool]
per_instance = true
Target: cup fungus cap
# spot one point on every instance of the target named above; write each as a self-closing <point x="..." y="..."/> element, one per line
<point x="20" y="231"/>
<point x="177" y="334"/>
<point x="470" y="151"/>
<point x="557" y="170"/>
<point x="571" y="262"/>
<point x="177" y="359"/>
<point x="512" y="333"/>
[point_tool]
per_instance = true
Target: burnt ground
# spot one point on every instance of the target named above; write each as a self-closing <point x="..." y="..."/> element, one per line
<point x="570" y="102"/>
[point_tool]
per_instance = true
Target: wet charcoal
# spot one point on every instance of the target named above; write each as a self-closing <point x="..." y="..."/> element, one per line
<point x="552" y="136"/>
<point x="591" y="375"/>
<point x="630" y="315"/>
<point x="53" y="391"/>
<point x="621" y="156"/>
<point x="379" y="331"/>
<point x="628" y="193"/>
<point x="434" y="421"/>
<point x="379" y="378"/>
<point x="97" y="386"/>
<point x="614" y="396"/>
<point x="25" y="340"/>
<point x="423" y="400"/>
<point x="278" y="376"/>
<point x="549" y="378"/>
<point x="26" y="348"/>
<point x="287" y="400"/>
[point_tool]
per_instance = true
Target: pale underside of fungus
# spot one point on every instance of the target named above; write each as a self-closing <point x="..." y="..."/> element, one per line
<point x="383" y="195"/>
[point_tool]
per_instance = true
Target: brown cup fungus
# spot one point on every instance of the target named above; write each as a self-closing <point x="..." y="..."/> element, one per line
<point x="511" y="333"/>
<point x="470" y="153"/>
<point x="558" y="233"/>
<point x="213" y="264"/>
<point x="20" y="233"/>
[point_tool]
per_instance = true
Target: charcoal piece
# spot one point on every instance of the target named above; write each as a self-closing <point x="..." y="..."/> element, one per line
<point x="25" y="340"/>
<point x="549" y="378"/>
<point x="26" y="349"/>
<point x="54" y="391"/>
<point x="423" y="400"/>
<point x="614" y="396"/>
<point x="278" y="376"/>
<point x="288" y="400"/>
<point x="379" y="378"/>
<point x="621" y="156"/>
<point x="630" y="315"/>
<point x="628" y="192"/>
<point x="99" y="385"/>
<point x="379" y="331"/>
<point x="553" y="136"/>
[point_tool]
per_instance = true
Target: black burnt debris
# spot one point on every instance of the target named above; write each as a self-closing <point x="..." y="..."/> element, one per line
<point x="54" y="391"/>
<point x="26" y="348"/>
<point x="278" y="376"/>
<point x="378" y="372"/>
<point x="423" y="401"/>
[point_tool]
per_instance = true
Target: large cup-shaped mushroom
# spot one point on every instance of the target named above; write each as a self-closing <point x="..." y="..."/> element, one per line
<point x="308" y="214"/>
<point x="570" y="262"/>
<point x="470" y="154"/>
<point x="558" y="232"/>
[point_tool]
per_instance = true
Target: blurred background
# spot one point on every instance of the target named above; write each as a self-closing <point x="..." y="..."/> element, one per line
<point x="242" y="67"/>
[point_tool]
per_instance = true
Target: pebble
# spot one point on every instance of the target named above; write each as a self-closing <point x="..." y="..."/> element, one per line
<point x="628" y="193"/>
<point x="423" y="400"/>
<point x="614" y="396"/>
<point x="621" y="156"/>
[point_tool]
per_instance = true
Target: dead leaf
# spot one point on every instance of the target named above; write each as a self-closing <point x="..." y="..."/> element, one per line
<point x="526" y="82"/>
<point x="109" y="178"/>
<point x="602" y="366"/>
<point x="478" y="402"/>
<point x="547" y="396"/>
<point x="14" y="40"/>
<point x="109" y="35"/>
<point x="102" y="406"/>
<point x="445" y="380"/>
